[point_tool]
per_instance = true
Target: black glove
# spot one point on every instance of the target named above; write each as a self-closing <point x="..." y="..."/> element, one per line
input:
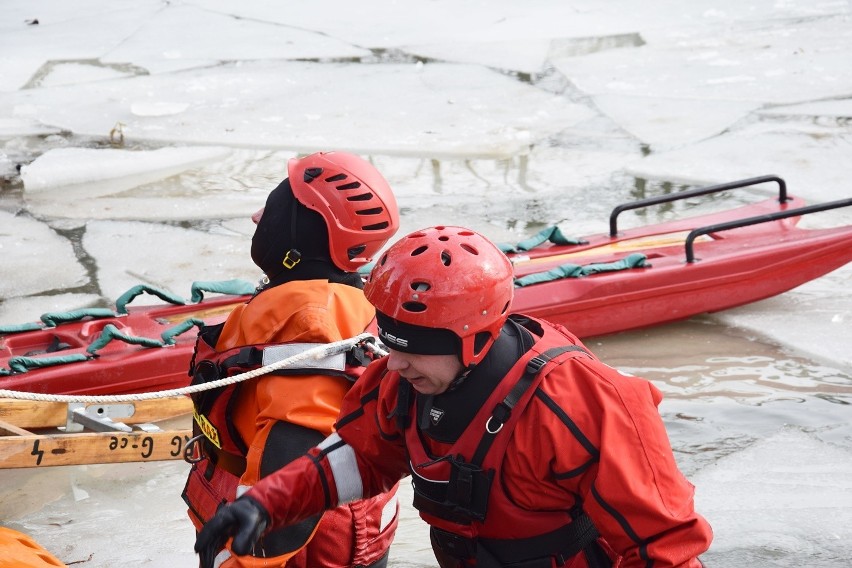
<point x="244" y="519"/>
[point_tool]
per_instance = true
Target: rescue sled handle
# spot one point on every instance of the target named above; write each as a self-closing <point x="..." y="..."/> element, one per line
<point x="695" y="233"/>
<point x="613" y="225"/>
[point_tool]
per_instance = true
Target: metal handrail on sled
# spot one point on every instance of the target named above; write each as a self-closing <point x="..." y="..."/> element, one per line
<point x="695" y="233"/>
<point x="613" y="225"/>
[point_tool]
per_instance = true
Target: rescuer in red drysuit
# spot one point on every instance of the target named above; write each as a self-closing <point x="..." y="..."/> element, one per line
<point x="523" y="448"/>
<point x="330" y="216"/>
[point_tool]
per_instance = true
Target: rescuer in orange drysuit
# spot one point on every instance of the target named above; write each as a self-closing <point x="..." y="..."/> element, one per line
<point x="330" y="216"/>
<point x="523" y="448"/>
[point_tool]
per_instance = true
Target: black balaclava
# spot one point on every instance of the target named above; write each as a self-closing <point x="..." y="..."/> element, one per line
<point x="288" y="225"/>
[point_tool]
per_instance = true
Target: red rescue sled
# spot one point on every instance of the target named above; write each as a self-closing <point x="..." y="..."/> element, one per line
<point x="136" y="349"/>
<point x="696" y="265"/>
<point x="687" y="267"/>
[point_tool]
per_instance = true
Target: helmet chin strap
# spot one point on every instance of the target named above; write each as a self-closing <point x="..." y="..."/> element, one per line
<point x="460" y="379"/>
<point x="292" y="257"/>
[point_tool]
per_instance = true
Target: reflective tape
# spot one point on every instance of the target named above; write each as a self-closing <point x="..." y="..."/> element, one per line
<point x="221" y="558"/>
<point x="344" y="467"/>
<point x="275" y="353"/>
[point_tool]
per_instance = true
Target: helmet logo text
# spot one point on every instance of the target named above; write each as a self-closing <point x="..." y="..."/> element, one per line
<point x="398" y="341"/>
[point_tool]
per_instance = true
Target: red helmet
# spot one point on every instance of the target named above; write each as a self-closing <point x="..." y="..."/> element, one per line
<point x="446" y="278"/>
<point x="356" y="202"/>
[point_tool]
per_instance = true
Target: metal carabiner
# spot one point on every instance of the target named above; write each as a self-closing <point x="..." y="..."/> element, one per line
<point x="192" y="452"/>
<point x="488" y="426"/>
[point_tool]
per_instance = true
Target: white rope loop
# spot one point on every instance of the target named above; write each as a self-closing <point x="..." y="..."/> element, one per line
<point x="319" y="352"/>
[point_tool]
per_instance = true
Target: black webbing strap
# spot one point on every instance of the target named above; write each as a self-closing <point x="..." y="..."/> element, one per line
<point x="563" y="543"/>
<point x="246" y="357"/>
<point x="503" y="410"/>
<point x="538" y="551"/>
<point x="403" y="405"/>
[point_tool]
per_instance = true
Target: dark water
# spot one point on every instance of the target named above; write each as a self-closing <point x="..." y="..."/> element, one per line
<point x="725" y="388"/>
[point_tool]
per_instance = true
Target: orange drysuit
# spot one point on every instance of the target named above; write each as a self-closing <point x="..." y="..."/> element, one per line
<point x="279" y="417"/>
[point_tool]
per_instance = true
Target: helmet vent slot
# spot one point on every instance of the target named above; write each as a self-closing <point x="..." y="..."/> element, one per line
<point x="353" y="185"/>
<point x="376" y="226"/>
<point x="338" y="177"/>
<point x="419" y="251"/>
<point x="372" y="211"/>
<point x="420" y="286"/>
<point x="446" y="258"/>
<point x="469" y="249"/>
<point x="359" y="197"/>
<point x="416" y="307"/>
<point x="311" y="174"/>
<point x="355" y="251"/>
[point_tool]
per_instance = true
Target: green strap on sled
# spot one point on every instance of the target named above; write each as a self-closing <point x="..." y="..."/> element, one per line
<point x="184" y="326"/>
<point x="550" y="234"/>
<point x="20" y="327"/>
<point x="24" y="364"/>
<point x="56" y="318"/>
<point x="110" y="332"/>
<point x="139" y="289"/>
<point x="234" y="287"/>
<point x="635" y="260"/>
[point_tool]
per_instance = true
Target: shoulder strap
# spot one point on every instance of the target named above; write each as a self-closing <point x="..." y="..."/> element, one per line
<point x="503" y="410"/>
<point x="403" y="405"/>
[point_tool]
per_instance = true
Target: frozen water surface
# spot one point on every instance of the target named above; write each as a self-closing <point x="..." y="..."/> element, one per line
<point x="753" y="492"/>
<point x="70" y="168"/>
<point x="445" y="110"/>
<point x="136" y="139"/>
<point x="44" y="260"/>
<point x="162" y="262"/>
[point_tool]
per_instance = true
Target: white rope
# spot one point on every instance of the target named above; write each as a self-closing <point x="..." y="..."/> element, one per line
<point x="319" y="352"/>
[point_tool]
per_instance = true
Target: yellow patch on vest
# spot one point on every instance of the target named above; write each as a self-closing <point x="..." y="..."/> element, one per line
<point x="210" y="432"/>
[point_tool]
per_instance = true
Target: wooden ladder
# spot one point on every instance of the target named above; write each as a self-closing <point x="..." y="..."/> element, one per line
<point x="44" y="434"/>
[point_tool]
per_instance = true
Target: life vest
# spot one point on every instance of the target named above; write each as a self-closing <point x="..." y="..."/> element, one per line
<point x="212" y="408"/>
<point x="217" y="449"/>
<point x="459" y="494"/>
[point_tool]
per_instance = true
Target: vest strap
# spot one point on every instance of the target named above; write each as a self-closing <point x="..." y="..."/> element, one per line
<point x="561" y="544"/>
<point x="403" y="404"/>
<point x="232" y="463"/>
<point x="503" y="410"/>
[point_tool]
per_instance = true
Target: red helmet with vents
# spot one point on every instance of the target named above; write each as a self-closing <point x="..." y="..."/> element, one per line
<point x="447" y="278"/>
<point x="356" y="202"/>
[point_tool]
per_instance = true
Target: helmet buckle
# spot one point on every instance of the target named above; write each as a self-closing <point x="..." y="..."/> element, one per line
<point x="289" y="262"/>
